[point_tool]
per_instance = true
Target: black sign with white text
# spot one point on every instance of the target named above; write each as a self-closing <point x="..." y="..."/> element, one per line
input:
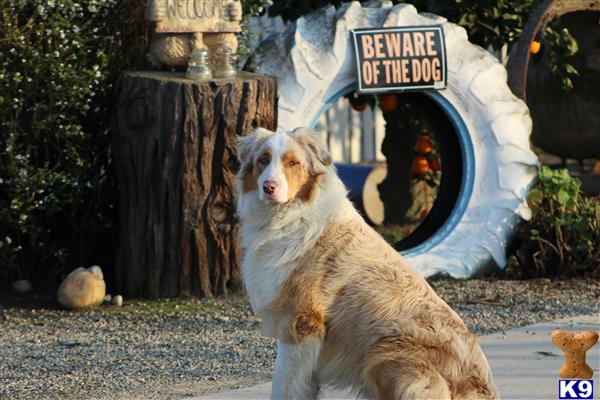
<point x="395" y="58"/>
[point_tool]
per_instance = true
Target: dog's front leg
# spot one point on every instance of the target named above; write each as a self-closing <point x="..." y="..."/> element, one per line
<point x="294" y="376"/>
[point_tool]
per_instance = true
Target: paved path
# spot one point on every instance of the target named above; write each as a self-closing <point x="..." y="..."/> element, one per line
<point x="524" y="362"/>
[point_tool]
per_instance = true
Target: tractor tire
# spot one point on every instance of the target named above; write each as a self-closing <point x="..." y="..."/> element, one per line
<point x="314" y="63"/>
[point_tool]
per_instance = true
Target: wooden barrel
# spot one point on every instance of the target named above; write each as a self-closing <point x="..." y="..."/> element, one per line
<point x="361" y="180"/>
<point x="567" y="124"/>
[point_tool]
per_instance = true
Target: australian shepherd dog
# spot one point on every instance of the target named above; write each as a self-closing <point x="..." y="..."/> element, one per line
<point x="346" y="309"/>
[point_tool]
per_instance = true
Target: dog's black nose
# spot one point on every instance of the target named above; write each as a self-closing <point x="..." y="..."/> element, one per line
<point x="269" y="187"/>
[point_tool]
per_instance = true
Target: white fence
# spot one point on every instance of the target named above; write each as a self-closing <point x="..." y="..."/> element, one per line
<point x="353" y="136"/>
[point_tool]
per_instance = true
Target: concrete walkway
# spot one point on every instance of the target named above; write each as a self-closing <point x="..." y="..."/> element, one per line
<point x="524" y="362"/>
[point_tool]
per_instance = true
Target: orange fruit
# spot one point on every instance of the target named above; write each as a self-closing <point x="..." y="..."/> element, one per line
<point x="435" y="164"/>
<point x="360" y="107"/>
<point x="424" y="144"/>
<point x="388" y="102"/>
<point x="535" y="47"/>
<point x="420" y="165"/>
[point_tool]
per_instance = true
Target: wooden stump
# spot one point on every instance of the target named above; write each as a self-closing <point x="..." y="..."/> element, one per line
<point x="174" y="151"/>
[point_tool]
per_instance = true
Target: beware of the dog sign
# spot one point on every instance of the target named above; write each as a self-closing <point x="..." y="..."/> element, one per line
<point x="408" y="58"/>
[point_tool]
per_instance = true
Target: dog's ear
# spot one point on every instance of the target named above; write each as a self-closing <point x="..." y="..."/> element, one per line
<point x="310" y="140"/>
<point x="247" y="144"/>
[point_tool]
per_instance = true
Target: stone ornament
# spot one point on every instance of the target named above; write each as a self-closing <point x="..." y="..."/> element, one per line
<point x="82" y="288"/>
<point x="182" y="26"/>
<point x="575" y="345"/>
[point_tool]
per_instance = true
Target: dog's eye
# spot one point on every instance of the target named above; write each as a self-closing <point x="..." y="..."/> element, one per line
<point x="263" y="160"/>
<point x="293" y="163"/>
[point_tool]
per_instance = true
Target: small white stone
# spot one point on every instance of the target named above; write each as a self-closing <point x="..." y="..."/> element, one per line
<point x="107" y="298"/>
<point x="21" y="286"/>
<point x="117" y="300"/>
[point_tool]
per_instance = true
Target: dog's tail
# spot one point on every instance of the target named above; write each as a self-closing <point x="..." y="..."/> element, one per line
<point x="428" y="384"/>
<point x="478" y="385"/>
<point x="393" y="380"/>
<point x="409" y="367"/>
<point x="476" y="389"/>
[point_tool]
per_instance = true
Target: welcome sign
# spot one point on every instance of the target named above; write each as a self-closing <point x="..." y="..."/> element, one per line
<point x="400" y="58"/>
<point x="193" y="15"/>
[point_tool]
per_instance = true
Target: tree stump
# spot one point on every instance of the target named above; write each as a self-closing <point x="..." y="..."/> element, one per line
<point x="174" y="151"/>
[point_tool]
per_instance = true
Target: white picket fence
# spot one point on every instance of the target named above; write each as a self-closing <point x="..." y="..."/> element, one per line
<point x="352" y="136"/>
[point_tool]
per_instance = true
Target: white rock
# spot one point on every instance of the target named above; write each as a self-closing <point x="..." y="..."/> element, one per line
<point x="96" y="270"/>
<point x="117" y="300"/>
<point x="21" y="286"/>
<point x="107" y="298"/>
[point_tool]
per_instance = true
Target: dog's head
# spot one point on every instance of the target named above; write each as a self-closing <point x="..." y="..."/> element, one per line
<point x="281" y="166"/>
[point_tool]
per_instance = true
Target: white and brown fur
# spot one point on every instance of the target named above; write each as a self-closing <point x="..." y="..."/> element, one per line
<point x="345" y="307"/>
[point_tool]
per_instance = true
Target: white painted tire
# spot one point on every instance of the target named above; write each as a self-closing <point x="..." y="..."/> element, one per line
<point x="314" y="64"/>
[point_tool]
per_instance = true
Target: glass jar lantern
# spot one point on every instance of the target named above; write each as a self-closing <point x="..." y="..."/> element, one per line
<point x="199" y="66"/>
<point x="223" y="62"/>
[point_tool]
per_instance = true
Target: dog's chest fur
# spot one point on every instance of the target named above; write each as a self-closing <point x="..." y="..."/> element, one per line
<point x="271" y="245"/>
<point x="275" y="243"/>
<point x="263" y="278"/>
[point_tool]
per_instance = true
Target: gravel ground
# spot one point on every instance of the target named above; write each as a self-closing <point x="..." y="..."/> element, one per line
<point x="175" y="349"/>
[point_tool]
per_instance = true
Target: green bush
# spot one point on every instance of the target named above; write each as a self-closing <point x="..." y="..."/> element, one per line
<point x="563" y="236"/>
<point x="58" y="60"/>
